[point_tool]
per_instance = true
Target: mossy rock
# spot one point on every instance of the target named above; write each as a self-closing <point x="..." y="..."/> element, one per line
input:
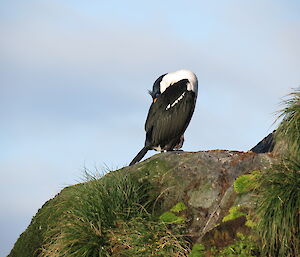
<point x="175" y="179"/>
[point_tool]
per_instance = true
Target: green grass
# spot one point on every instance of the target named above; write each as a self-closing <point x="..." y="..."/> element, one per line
<point x="146" y="236"/>
<point x="244" y="246"/>
<point x="97" y="205"/>
<point x="279" y="188"/>
<point x="278" y="210"/>
<point x="198" y="250"/>
<point x="289" y="129"/>
<point x="110" y="217"/>
<point x="31" y="240"/>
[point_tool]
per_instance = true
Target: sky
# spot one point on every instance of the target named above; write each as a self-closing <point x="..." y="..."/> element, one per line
<point x="74" y="77"/>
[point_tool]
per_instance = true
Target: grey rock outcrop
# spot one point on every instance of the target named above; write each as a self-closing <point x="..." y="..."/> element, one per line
<point x="204" y="182"/>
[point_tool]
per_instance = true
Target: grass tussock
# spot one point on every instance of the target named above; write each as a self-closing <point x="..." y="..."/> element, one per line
<point x="109" y="217"/>
<point x="148" y="237"/>
<point x="279" y="210"/>
<point x="289" y="129"/>
<point x="278" y="188"/>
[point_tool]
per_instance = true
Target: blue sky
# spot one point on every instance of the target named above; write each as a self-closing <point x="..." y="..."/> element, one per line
<point x="74" y="77"/>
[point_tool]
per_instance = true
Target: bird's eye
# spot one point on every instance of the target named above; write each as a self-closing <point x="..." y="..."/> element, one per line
<point x="157" y="95"/>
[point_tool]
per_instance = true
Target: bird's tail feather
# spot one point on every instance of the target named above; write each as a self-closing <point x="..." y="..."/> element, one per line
<point x="140" y="155"/>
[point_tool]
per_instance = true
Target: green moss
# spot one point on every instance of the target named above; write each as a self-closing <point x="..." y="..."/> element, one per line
<point x="154" y="167"/>
<point x="234" y="212"/>
<point x="170" y="217"/>
<point x="197" y="250"/>
<point x="246" y="183"/>
<point x="180" y="206"/>
<point x="250" y="223"/>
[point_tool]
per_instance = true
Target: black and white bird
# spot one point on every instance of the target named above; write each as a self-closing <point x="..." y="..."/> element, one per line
<point x="174" y="97"/>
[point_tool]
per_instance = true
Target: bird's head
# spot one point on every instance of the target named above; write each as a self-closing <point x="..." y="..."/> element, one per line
<point x="156" y="92"/>
<point x="169" y="79"/>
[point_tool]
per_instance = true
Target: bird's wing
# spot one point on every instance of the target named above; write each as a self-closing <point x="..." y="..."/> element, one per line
<point x="170" y="115"/>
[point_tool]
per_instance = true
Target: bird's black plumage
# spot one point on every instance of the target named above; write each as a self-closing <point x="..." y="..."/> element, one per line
<point x="166" y="123"/>
<point x="170" y="112"/>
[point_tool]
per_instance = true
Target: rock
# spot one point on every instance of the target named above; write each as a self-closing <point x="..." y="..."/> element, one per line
<point x="203" y="181"/>
<point x="266" y="145"/>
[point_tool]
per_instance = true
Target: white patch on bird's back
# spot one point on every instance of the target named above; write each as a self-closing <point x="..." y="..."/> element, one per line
<point x="175" y="102"/>
<point x="173" y="77"/>
<point x="157" y="148"/>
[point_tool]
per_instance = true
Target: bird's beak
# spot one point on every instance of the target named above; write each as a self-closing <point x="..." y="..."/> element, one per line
<point x="154" y="100"/>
